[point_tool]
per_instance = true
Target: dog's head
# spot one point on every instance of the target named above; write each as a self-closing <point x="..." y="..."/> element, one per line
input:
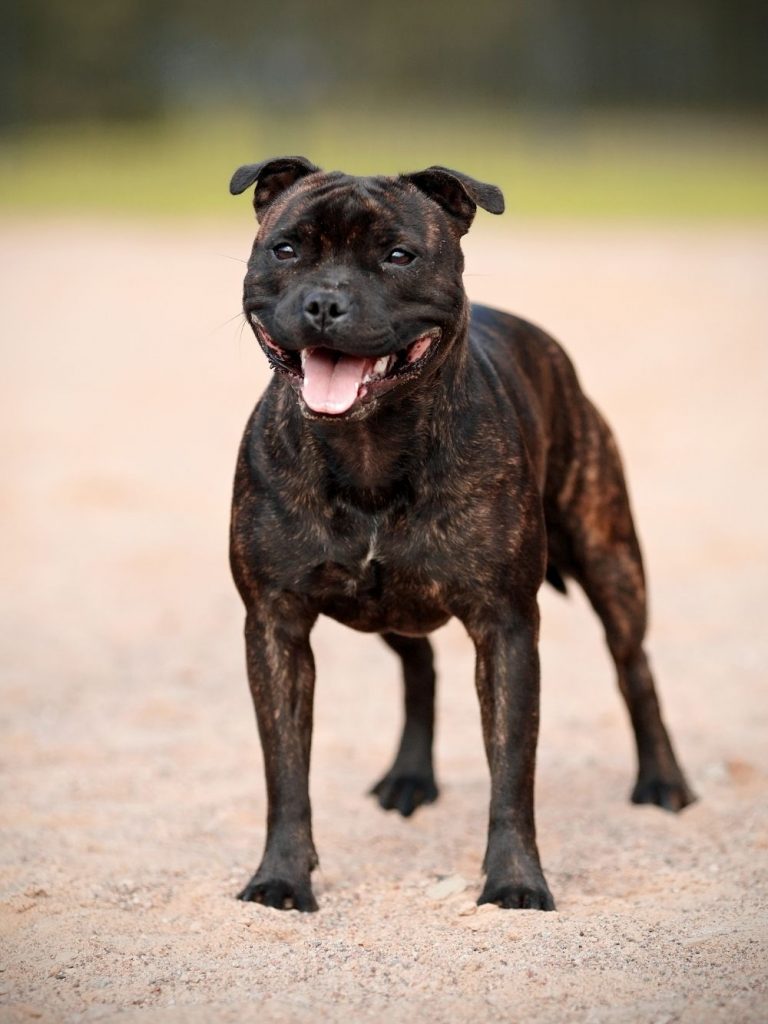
<point x="354" y="285"/>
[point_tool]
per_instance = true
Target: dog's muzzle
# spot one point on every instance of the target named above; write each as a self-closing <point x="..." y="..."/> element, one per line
<point x="332" y="382"/>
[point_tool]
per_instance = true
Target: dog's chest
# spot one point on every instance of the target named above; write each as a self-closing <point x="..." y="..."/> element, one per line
<point x="381" y="581"/>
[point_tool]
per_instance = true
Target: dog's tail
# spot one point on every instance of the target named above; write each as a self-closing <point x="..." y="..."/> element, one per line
<point x="554" y="578"/>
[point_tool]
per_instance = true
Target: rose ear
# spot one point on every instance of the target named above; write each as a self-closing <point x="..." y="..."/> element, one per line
<point x="271" y="177"/>
<point x="457" y="193"/>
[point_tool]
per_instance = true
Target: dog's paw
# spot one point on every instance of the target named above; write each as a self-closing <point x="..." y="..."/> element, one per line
<point x="404" y="793"/>
<point x="517" y="897"/>
<point x="280" y="894"/>
<point x="671" y="795"/>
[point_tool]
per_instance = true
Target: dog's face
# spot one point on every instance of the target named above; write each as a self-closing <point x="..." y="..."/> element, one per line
<point x="354" y="285"/>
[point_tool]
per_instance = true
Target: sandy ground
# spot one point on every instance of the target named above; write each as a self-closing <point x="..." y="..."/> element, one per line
<point x="133" y="801"/>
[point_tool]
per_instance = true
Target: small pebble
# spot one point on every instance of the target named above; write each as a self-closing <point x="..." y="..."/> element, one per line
<point x="447" y="887"/>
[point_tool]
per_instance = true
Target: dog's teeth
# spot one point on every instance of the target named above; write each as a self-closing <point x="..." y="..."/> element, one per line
<point x="254" y="319"/>
<point x="303" y="356"/>
<point x="381" y="366"/>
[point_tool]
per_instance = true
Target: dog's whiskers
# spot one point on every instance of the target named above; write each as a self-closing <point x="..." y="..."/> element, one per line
<point x="226" y="323"/>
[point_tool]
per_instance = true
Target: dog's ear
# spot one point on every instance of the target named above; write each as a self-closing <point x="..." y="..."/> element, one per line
<point x="271" y="178"/>
<point x="457" y="193"/>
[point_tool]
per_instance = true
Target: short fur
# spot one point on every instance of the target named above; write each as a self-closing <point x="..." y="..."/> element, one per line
<point x="451" y="492"/>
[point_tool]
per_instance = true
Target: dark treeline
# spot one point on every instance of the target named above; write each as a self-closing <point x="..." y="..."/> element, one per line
<point x="62" y="60"/>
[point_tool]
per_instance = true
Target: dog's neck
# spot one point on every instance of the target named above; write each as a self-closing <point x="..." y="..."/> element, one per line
<point x="372" y="460"/>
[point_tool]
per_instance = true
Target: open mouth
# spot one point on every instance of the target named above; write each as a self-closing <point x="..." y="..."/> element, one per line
<point x="332" y="382"/>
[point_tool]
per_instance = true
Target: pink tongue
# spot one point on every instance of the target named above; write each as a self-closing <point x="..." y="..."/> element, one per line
<point x="331" y="385"/>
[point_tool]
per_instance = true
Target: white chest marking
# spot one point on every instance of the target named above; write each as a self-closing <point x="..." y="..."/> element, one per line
<point x="371" y="546"/>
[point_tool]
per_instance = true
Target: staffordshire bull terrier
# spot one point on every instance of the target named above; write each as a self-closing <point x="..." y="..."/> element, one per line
<point x="415" y="459"/>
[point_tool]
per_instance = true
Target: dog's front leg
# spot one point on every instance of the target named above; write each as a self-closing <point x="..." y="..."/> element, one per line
<point x="281" y="674"/>
<point x="507" y="678"/>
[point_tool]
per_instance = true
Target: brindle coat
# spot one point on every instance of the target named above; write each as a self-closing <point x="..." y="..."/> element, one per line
<point x="450" y="492"/>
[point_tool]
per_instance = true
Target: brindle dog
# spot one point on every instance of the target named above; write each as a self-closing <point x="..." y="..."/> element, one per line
<point x="412" y="460"/>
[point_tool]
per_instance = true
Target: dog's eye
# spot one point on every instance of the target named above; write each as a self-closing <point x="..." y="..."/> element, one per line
<point x="284" y="251"/>
<point x="400" y="257"/>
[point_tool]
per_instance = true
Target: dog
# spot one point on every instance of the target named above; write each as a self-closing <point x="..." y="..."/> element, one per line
<point x="414" y="459"/>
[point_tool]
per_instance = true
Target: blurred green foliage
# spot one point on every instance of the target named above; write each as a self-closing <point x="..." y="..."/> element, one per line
<point x="85" y="59"/>
<point x="589" y="166"/>
<point x="146" y="108"/>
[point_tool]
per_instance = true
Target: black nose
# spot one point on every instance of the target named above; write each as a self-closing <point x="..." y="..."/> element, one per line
<point x="324" y="307"/>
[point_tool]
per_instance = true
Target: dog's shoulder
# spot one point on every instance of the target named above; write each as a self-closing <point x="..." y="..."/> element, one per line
<point x="511" y="345"/>
<point x="492" y="329"/>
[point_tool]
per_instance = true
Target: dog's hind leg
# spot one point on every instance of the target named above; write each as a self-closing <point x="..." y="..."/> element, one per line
<point x="612" y="579"/>
<point x="606" y="561"/>
<point x="410" y="781"/>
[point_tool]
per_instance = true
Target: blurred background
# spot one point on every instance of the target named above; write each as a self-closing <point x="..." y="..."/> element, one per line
<point x="575" y="108"/>
<point x="631" y="142"/>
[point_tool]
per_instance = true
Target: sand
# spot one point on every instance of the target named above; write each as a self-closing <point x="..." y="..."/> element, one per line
<point x="132" y="799"/>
